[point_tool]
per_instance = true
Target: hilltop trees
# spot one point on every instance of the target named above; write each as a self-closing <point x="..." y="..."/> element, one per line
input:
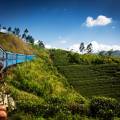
<point x="16" y="31"/>
<point x="0" y="27"/>
<point x="82" y="47"/>
<point x="41" y="44"/>
<point x="26" y="31"/>
<point x="29" y="39"/>
<point x="88" y="49"/>
<point x="9" y="29"/>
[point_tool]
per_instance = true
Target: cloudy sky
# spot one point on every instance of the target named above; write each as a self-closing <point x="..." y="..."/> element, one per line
<point x="66" y="23"/>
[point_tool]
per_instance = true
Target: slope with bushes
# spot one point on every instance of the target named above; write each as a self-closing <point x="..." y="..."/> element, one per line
<point x="89" y="74"/>
<point x="12" y="43"/>
<point x="39" y="90"/>
<point x="41" y="93"/>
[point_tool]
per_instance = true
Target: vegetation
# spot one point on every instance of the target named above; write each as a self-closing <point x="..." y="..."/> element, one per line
<point x="14" y="44"/>
<point x="43" y="93"/>
<point x="91" y="80"/>
<point x="62" y="57"/>
<point x="88" y="49"/>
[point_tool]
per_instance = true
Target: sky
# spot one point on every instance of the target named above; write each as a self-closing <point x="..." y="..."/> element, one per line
<point x="66" y="23"/>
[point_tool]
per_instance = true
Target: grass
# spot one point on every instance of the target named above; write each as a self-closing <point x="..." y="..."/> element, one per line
<point x="38" y="89"/>
<point x="12" y="43"/>
<point x="92" y="80"/>
<point x="42" y="93"/>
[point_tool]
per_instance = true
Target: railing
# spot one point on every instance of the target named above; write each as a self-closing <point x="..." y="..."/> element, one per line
<point x="8" y="58"/>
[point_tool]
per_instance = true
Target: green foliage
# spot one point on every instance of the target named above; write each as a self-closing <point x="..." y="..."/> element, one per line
<point x="106" y="108"/>
<point x="61" y="57"/>
<point x="41" y="44"/>
<point x="90" y="80"/>
<point x="40" y="90"/>
<point x="23" y="116"/>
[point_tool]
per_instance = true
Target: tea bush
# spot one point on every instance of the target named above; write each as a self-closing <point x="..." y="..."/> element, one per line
<point x="102" y="107"/>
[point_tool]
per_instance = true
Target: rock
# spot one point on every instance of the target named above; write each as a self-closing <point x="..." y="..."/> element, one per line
<point x="3" y="114"/>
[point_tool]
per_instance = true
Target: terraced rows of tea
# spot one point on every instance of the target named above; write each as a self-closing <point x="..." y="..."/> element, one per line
<point x="92" y="80"/>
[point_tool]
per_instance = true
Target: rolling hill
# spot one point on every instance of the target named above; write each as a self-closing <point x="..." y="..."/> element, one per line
<point x="41" y="92"/>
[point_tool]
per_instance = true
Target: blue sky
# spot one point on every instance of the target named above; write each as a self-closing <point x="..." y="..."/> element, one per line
<point x="66" y="23"/>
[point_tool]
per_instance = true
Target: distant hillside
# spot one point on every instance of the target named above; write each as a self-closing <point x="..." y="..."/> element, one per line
<point x="14" y="44"/>
<point x="114" y="53"/>
<point x="92" y="80"/>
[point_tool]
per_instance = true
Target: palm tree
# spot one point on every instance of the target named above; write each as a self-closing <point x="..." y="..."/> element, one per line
<point x="4" y="28"/>
<point x="89" y="48"/>
<point x="9" y="29"/>
<point x="82" y="47"/>
<point x="30" y="39"/>
<point x="0" y="27"/>
<point x="26" y="31"/>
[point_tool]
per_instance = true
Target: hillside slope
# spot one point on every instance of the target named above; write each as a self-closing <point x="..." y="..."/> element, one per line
<point x="40" y="91"/>
<point x="89" y="74"/>
<point x="14" y="44"/>
<point x="92" y="80"/>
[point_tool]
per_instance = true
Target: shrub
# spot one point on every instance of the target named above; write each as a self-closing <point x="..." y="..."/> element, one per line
<point x="103" y="107"/>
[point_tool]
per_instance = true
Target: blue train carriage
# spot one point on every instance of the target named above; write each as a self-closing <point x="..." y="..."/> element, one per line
<point x="2" y="57"/>
<point x="15" y="58"/>
<point x="8" y="58"/>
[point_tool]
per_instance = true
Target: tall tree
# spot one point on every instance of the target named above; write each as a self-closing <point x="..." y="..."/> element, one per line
<point x="30" y="39"/>
<point x="82" y="47"/>
<point x="17" y="31"/>
<point x="26" y="31"/>
<point x="9" y="29"/>
<point x="41" y="44"/>
<point x="24" y="36"/>
<point x="4" y="28"/>
<point x="0" y="27"/>
<point x="89" y="48"/>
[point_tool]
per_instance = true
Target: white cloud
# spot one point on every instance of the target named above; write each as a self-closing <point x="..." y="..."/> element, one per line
<point x="99" y="47"/>
<point x="36" y="42"/>
<point x="75" y="47"/>
<point x="3" y="30"/>
<point x="99" y="21"/>
<point x="48" y="46"/>
<point x="96" y="47"/>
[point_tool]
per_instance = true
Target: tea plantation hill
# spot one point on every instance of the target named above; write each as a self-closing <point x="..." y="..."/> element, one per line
<point x="43" y="93"/>
<point x="90" y="75"/>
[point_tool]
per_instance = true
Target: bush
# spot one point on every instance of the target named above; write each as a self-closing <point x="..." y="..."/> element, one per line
<point x="102" y="107"/>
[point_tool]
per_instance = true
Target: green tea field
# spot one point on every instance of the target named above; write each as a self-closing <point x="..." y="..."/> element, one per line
<point x="92" y="80"/>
